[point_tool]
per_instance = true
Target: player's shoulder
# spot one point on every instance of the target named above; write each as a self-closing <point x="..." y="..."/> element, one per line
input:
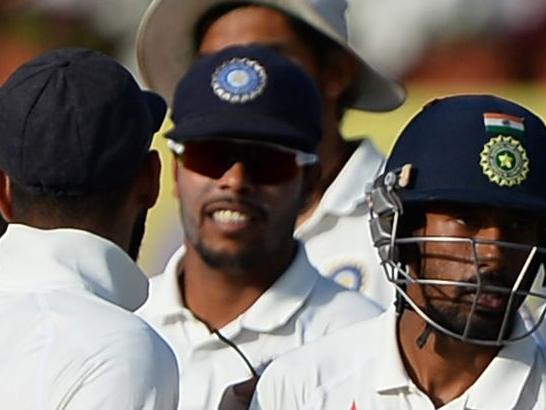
<point x="319" y="366"/>
<point x="332" y="352"/>
<point x="153" y="304"/>
<point x="335" y="307"/>
<point x="163" y="291"/>
<point x="94" y="324"/>
<point x="114" y="347"/>
<point x="327" y="289"/>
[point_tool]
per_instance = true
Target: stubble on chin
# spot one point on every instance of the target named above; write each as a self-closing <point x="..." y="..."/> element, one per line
<point x="455" y="318"/>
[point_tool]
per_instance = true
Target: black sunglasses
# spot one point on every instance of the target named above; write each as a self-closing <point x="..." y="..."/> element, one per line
<point x="264" y="163"/>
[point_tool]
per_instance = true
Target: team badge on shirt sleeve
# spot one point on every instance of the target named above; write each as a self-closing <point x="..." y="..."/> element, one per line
<point x="239" y="80"/>
<point x="349" y="274"/>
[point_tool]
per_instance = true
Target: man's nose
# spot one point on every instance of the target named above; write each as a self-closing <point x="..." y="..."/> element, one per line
<point x="236" y="178"/>
<point x="490" y="254"/>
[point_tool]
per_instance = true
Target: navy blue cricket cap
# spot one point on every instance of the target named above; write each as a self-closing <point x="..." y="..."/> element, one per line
<point x="75" y="121"/>
<point x="248" y="93"/>
<point x="474" y="149"/>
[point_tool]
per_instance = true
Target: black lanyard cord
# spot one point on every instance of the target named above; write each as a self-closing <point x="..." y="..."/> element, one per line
<point x="236" y="348"/>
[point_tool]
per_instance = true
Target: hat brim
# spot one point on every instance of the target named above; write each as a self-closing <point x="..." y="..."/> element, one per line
<point x="524" y="203"/>
<point x="260" y="128"/>
<point x="165" y="48"/>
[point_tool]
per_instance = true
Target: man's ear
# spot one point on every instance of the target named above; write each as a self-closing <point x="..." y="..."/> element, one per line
<point x="5" y="197"/>
<point x="147" y="182"/>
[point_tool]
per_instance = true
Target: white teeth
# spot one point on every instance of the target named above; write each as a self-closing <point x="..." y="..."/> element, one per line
<point x="226" y="216"/>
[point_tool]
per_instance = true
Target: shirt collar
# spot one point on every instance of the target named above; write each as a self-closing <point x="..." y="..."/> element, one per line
<point x="513" y="365"/>
<point x="284" y="298"/>
<point x="272" y="309"/>
<point x="343" y="195"/>
<point x="36" y="258"/>
<point x="168" y="302"/>
<point x="390" y="372"/>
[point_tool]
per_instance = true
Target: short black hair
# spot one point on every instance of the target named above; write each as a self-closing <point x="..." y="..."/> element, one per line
<point x="95" y="207"/>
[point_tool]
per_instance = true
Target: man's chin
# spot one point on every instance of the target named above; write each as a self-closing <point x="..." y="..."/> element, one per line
<point x="482" y="327"/>
<point x="230" y="260"/>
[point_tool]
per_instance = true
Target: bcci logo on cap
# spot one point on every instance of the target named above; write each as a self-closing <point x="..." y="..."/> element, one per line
<point x="239" y="80"/>
<point x="504" y="161"/>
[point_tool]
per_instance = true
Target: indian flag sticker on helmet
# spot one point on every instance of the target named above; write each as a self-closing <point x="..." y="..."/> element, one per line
<point x="239" y="80"/>
<point x="503" y="124"/>
<point x="504" y="161"/>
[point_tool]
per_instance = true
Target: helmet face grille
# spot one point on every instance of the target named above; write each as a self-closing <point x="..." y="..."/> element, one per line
<point x="461" y="316"/>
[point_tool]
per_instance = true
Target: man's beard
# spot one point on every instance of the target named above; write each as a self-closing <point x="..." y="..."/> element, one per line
<point x="482" y="326"/>
<point x="250" y="258"/>
<point x="137" y="235"/>
<point x="247" y="260"/>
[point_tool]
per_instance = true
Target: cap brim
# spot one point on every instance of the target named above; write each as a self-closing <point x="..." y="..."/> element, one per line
<point x="524" y="203"/>
<point x="262" y="129"/>
<point x="165" y="48"/>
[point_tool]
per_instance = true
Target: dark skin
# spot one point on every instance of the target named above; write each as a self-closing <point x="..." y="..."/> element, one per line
<point x="239" y="242"/>
<point x="445" y="367"/>
<point x="238" y="237"/>
<point x="256" y="24"/>
<point x="119" y="227"/>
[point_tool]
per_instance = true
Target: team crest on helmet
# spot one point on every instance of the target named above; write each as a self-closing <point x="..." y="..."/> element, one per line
<point x="239" y="80"/>
<point x="504" y="161"/>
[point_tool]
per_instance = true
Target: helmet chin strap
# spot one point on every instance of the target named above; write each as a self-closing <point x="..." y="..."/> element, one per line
<point x="401" y="304"/>
<point x="422" y="339"/>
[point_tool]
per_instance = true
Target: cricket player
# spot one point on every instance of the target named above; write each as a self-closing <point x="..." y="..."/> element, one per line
<point x="76" y="179"/>
<point x="334" y="226"/>
<point x="241" y="291"/>
<point x="459" y="219"/>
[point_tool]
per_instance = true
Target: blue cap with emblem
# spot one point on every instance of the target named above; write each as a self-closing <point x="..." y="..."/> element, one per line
<point x="248" y="93"/>
<point x="474" y="149"/>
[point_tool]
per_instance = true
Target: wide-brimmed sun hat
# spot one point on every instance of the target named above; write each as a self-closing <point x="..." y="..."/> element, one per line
<point x="165" y="47"/>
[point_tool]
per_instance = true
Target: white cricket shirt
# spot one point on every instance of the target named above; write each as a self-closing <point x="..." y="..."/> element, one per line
<point x="337" y="236"/>
<point x="68" y="338"/>
<point x="360" y="368"/>
<point x="299" y="307"/>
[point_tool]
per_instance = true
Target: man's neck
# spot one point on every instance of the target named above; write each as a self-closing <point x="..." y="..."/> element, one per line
<point x="334" y="152"/>
<point x="216" y="296"/>
<point x="443" y="368"/>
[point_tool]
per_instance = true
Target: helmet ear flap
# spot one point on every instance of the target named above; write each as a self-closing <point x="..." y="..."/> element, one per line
<point x="381" y="231"/>
<point x="385" y="208"/>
